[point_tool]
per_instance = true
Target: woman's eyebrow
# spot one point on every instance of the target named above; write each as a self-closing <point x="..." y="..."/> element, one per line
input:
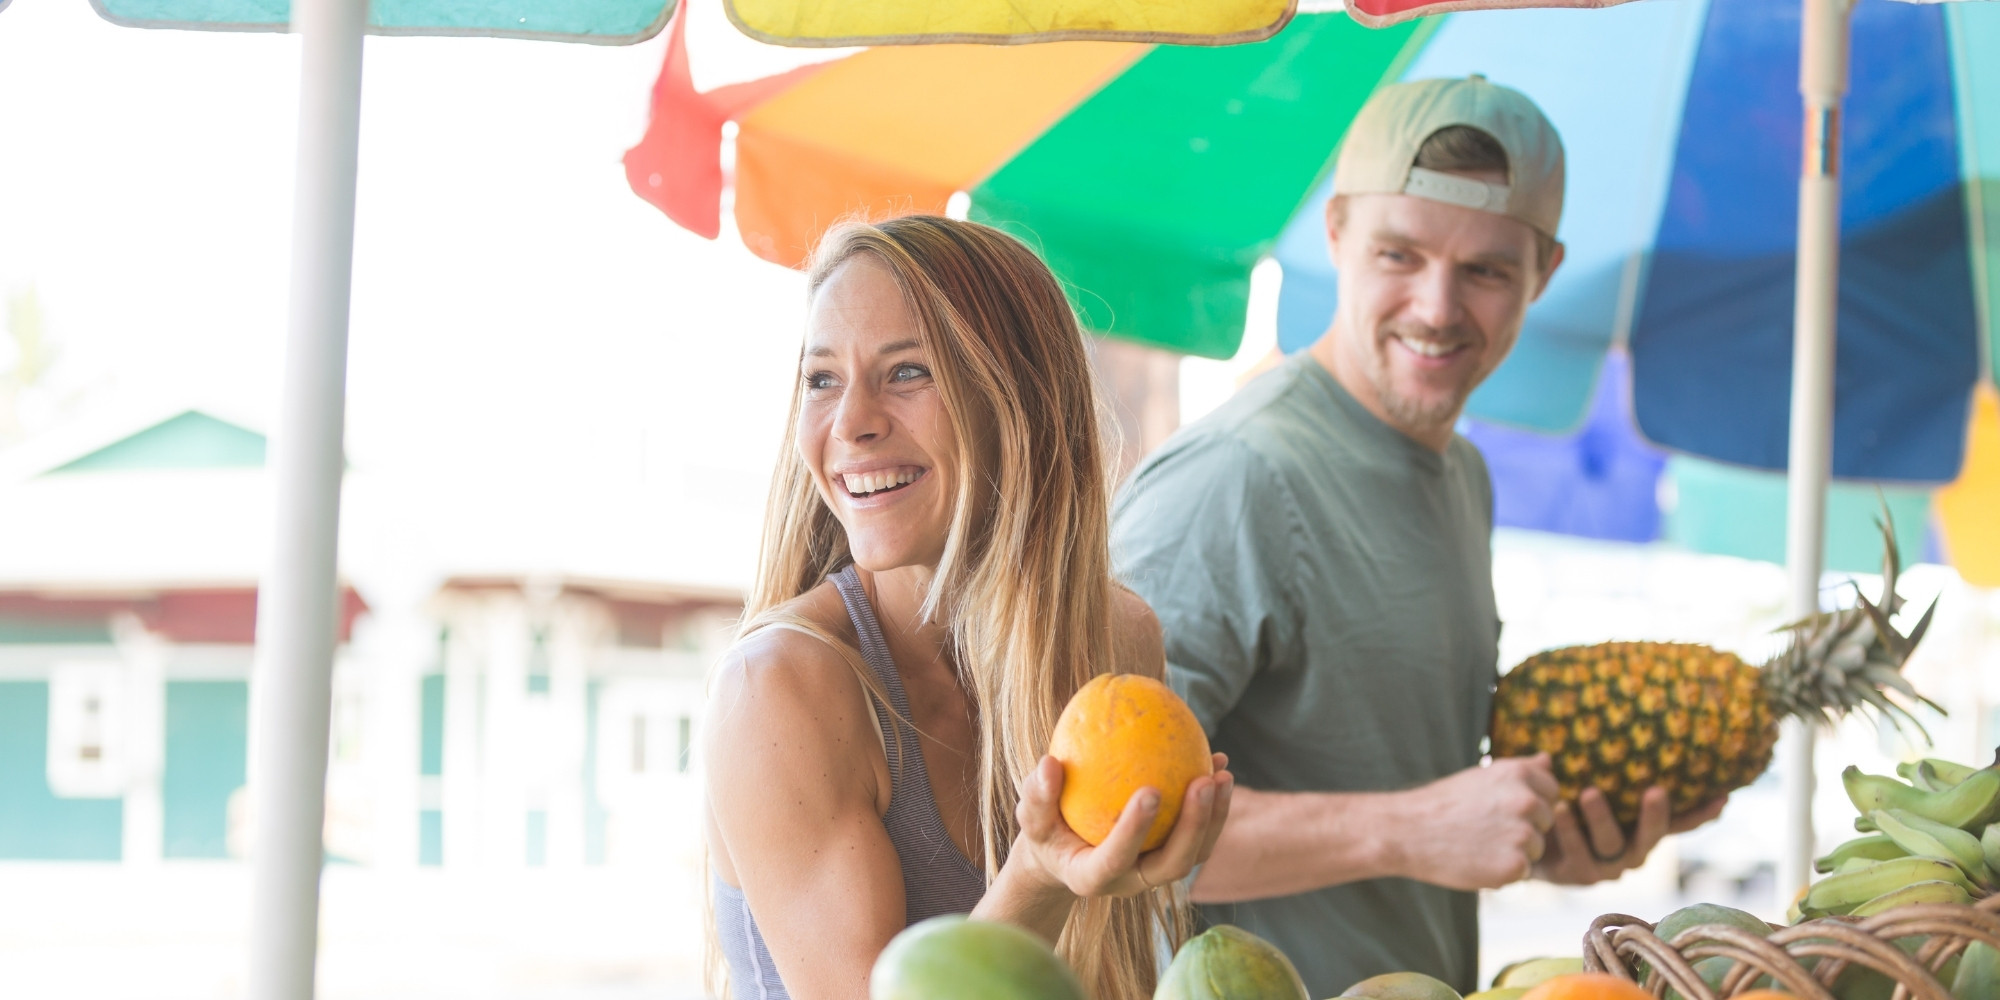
<point x="823" y="351"/>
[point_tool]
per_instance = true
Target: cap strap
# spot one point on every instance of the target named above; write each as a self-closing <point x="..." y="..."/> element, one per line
<point x="1454" y="189"/>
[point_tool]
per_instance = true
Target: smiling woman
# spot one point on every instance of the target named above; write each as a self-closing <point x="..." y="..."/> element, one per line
<point x="934" y="586"/>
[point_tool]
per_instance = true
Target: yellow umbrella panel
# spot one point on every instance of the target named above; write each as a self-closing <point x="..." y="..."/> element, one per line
<point x="894" y="22"/>
<point x="1968" y="510"/>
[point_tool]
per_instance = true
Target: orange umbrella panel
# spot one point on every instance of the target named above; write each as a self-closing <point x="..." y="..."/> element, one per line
<point x="860" y="139"/>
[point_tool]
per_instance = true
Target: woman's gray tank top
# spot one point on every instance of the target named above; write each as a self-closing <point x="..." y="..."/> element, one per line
<point x="936" y="878"/>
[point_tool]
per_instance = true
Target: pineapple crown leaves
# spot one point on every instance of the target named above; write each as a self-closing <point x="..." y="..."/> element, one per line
<point x="1852" y="658"/>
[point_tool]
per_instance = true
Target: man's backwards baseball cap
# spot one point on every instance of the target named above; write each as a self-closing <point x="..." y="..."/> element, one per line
<point x="1380" y="153"/>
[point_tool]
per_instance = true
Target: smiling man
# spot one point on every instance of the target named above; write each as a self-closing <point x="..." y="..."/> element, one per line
<point x="1317" y="551"/>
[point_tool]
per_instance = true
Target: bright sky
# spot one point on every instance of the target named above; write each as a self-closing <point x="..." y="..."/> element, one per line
<point x="512" y="298"/>
<point x="519" y="316"/>
<point x="526" y="332"/>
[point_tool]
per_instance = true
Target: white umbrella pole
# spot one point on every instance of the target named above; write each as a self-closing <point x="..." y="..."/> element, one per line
<point x="298" y="614"/>
<point x="1822" y="82"/>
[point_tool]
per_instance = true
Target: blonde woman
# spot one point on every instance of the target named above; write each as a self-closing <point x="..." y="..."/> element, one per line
<point x="934" y="584"/>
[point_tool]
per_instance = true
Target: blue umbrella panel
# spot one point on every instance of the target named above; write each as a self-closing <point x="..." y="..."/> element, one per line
<point x="1606" y="481"/>
<point x="1680" y="221"/>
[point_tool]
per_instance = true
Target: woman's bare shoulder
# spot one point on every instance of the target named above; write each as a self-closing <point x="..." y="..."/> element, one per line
<point x="1140" y="647"/>
<point x="792" y="661"/>
<point x="790" y="749"/>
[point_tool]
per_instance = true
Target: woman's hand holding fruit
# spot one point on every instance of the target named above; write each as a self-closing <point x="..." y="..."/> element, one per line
<point x="1117" y="867"/>
<point x="1128" y="799"/>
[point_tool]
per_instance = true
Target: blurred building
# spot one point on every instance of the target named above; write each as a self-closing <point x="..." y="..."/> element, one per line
<point x="557" y="721"/>
<point x="481" y="718"/>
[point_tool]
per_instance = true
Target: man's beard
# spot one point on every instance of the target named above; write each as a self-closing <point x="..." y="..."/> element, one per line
<point x="1418" y="413"/>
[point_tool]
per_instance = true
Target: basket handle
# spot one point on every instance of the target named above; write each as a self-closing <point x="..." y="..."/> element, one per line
<point x="1846" y="943"/>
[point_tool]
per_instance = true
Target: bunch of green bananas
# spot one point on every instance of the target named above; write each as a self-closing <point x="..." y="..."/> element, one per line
<point x="1931" y="838"/>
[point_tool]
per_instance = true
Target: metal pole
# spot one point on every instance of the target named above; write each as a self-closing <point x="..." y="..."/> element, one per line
<point x="1822" y="82"/>
<point x="298" y="614"/>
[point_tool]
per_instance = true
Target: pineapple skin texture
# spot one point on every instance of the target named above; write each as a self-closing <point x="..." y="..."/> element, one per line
<point x="1624" y="716"/>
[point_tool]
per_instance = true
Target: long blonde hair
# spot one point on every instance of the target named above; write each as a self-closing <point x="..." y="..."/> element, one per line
<point x="1024" y="585"/>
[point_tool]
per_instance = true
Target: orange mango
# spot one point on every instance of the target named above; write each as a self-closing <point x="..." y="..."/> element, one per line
<point x="1121" y="733"/>
<point x="1588" y="986"/>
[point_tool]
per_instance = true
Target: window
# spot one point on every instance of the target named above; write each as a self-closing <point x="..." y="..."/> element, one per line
<point x="86" y="758"/>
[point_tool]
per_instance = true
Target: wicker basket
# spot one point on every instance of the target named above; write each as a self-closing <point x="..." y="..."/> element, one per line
<point x="1617" y="943"/>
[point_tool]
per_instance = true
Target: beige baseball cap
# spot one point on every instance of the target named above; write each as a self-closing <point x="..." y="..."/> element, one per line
<point x="1379" y="154"/>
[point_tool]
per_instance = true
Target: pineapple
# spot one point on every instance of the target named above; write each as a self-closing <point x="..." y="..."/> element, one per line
<point x="1624" y="716"/>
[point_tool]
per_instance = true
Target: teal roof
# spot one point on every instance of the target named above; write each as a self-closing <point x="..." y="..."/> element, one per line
<point x="191" y="440"/>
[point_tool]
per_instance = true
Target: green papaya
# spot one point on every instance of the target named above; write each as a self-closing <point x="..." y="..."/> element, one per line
<point x="1535" y="971"/>
<point x="1673" y="924"/>
<point x="1978" y="973"/>
<point x="1711" y="970"/>
<point x="953" y="958"/>
<point x="1401" y="986"/>
<point x="1230" y="963"/>
<point x="1859" y="982"/>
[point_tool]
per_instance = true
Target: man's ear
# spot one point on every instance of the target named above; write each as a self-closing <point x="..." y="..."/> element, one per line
<point x="1336" y="216"/>
<point x="1555" y="261"/>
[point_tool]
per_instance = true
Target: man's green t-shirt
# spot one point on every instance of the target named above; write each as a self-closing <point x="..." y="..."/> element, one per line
<point x="1325" y="585"/>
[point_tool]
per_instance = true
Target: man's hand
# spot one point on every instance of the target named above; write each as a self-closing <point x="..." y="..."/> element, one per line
<point x="1481" y="828"/>
<point x="1574" y="858"/>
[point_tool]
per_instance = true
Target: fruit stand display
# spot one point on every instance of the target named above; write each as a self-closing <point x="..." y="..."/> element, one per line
<point x="1902" y="952"/>
<point x="1909" y="910"/>
<point x="1906" y="912"/>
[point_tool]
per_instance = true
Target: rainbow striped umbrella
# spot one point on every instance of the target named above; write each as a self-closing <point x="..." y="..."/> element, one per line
<point x="1153" y="178"/>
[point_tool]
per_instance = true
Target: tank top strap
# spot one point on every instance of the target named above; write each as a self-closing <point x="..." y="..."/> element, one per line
<point x="875" y="652"/>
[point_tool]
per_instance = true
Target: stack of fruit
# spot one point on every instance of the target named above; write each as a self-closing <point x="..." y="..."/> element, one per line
<point x="1939" y="952"/>
<point x="1513" y="983"/>
<point x="1932" y="838"/>
<point x="953" y="958"/>
<point x="1536" y="979"/>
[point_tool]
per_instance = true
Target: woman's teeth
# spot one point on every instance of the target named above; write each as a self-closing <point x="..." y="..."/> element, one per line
<point x="864" y="483"/>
